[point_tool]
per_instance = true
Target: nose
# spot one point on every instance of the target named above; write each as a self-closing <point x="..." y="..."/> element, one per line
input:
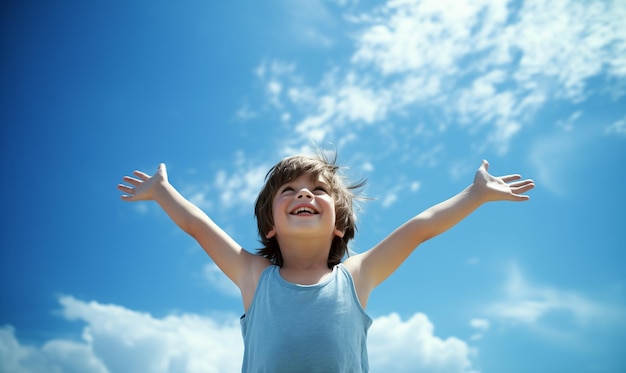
<point x="304" y="193"/>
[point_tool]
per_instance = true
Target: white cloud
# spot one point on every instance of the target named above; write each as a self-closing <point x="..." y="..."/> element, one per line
<point x="419" y="39"/>
<point x="127" y="340"/>
<point x="391" y="195"/>
<point x="334" y="104"/>
<point x="317" y="126"/>
<point x="426" y="35"/>
<point x="481" y="326"/>
<point x="358" y="103"/>
<point x="483" y="104"/>
<point x="121" y="340"/>
<point x="235" y="186"/>
<point x="117" y="339"/>
<point x="389" y="199"/>
<point x="570" y="41"/>
<point x="241" y="185"/>
<point x="411" y="346"/>
<point x="486" y="65"/>
<point x="54" y="356"/>
<point x="274" y="90"/>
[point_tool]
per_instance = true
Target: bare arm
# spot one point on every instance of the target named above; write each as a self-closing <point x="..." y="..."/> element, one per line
<point x="235" y="262"/>
<point x="374" y="266"/>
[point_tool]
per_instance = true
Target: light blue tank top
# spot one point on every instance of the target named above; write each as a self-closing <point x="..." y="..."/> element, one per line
<point x="305" y="328"/>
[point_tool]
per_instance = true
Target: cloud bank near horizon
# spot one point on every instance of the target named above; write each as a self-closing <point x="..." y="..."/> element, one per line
<point x="117" y="339"/>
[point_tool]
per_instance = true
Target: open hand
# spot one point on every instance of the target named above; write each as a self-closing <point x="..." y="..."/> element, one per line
<point x="141" y="186"/>
<point x="501" y="188"/>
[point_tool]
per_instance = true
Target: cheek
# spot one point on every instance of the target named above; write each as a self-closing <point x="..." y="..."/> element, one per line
<point x="276" y="213"/>
<point x="277" y="207"/>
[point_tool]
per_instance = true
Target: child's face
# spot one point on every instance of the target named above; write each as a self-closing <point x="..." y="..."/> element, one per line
<point x="304" y="207"/>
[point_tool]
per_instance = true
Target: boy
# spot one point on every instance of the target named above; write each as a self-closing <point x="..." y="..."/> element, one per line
<point x="304" y="309"/>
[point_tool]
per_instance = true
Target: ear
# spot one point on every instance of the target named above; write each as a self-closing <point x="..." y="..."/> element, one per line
<point x="270" y="234"/>
<point x="338" y="233"/>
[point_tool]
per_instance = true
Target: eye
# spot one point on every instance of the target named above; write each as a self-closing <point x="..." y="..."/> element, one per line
<point x="287" y="189"/>
<point x="321" y="189"/>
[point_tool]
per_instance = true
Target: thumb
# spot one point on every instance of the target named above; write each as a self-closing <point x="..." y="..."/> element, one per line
<point x="162" y="170"/>
<point x="484" y="165"/>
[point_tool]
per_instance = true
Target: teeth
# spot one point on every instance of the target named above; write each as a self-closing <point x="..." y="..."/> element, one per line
<point x="304" y="210"/>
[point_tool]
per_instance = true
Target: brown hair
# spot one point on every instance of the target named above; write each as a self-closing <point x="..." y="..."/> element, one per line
<point x="291" y="168"/>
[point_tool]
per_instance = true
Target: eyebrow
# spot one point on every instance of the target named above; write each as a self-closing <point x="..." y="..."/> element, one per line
<point x="316" y="182"/>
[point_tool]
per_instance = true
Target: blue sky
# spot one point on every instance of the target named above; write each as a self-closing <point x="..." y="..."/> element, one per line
<point x="413" y="95"/>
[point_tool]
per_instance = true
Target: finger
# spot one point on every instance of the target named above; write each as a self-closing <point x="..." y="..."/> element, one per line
<point x="129" y="196"/>
<point x="141" y="175"/>
<point x="131" y="180"/>
<point x="522" y="183"/>
<point x="519" y="197"/>
<point x="125" y="189"/>
<point x="509" y="178"/>
<point x="523" y="188"/>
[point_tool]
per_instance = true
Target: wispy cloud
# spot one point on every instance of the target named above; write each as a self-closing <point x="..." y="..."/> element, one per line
<point x="218" y="280"/>
<point x="554" y="156"/>
<point x="199" y="195"/>
<point x="486" y="66"/>
<point x="618" y="127"/>
<point x="240" y="185"/>
<point x="311" y="22"/>
<point x="569" y="42"/>
<point x="481" y="326"/>
<point x="245" y="113"/>
<point x="528" y="304"/>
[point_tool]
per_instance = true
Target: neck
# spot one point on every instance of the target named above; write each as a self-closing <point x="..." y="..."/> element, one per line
<point x="305" y="262"/>
<point x="304" y="254"/>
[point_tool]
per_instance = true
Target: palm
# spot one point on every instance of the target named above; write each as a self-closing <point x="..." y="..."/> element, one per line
<point x="140" y="186"/>
<point x="503" y="187"/>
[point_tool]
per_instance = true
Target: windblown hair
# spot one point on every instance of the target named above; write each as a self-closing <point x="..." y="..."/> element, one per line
<point x="291" y="168"/>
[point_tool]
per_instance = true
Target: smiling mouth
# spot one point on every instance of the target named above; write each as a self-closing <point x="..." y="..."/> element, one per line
<point x="304" y="211"/>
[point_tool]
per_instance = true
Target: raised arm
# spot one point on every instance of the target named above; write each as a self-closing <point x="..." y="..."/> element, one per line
<point x="235" y="262"/>
<point x="375" y="265"/>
